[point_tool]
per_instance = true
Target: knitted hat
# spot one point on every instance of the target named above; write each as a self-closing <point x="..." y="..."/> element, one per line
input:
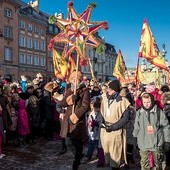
<point x="114" y="85"/>
<point x="50" y="86"/>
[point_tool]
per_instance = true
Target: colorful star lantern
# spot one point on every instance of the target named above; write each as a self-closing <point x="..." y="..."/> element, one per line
<point x="77" y="31"/>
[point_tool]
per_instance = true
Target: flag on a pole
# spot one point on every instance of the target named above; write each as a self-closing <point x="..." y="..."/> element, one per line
<point x="139" y="76"/>
<point x="159" y="60"/>
<point x="91" y="70"/>
<point x="60" y="65"/>
<point x="71" y="67"/>
<point x="120" y="67"/>
<point x="148" y="48"/>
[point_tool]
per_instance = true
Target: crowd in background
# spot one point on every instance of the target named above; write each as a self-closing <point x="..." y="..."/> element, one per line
<point x="111" y="117"/>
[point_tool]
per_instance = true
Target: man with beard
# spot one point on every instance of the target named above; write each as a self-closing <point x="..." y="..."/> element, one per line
<point x="74" y="121"/>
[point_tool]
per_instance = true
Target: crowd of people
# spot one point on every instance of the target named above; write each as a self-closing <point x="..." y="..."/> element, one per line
<point x="111" y="117"/>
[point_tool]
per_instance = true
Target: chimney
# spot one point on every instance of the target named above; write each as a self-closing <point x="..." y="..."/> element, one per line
<point x="35" y="5"/>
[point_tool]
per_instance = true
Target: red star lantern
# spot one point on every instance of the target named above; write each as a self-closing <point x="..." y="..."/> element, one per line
<point x="77" y="31"/>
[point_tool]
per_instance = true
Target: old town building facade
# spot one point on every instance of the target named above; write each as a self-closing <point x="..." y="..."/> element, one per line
<point x="24" y="37"/>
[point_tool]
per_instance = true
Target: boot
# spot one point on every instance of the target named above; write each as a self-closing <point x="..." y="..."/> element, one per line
<point x="75" y="165"/>
<point x="101" y="159"/>
<point x="63" y="150"/>
<point x="64" y="147"/>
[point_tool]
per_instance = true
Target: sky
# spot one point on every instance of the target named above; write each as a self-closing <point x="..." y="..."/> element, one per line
<point x="125" y="20"/>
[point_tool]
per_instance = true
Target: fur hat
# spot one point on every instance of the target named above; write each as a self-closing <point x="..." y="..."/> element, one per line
<point x="58" y="96"/>
<point x="30" y="86"/>
<point x="125" y="85"/>
<point x="79" y="75"/>
<point x="50" y="86"/>
<point x="91" y="83"/>
<point x="114" y="85"/>
<point x="36" y="81"/>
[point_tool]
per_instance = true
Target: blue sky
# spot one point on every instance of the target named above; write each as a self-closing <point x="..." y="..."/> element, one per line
<point x="125" y="19"/>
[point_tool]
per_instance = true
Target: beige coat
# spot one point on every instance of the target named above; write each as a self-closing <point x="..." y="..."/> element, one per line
<point x="114" y="143"/>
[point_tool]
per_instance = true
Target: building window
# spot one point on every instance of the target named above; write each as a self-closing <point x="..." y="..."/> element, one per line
<point x="29" y="27"/>
<point x="56" y="31"/>
<point x="8" y="32"/>
<point x="51" y="67"/>
<point x="106" y="70"/>
<point x="42" y="31"/>
<point x="8" y="13"/>
<point x="50" y="28"/>
<point x="42" y="61"/>
<point x="29" y="42"/>
<point x="42" y="45"/>
<point x="22" y="24"/>
<point x="35" y="29"/>
<point x="22" y="58"/>
<point x="51" y="54"/>
<point x="8" y="54"/>
<point x="36" y="44"/>
<point x="29" y="59"/>
<point x="22" y="41"/>
<point x="36" y="60"/>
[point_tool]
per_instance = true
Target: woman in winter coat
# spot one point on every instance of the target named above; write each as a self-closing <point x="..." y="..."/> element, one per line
<point x="23" y="123"/>
<point x="74" y="122"/>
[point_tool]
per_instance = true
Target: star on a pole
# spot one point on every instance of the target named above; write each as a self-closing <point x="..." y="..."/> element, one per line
<point x="77" y="31"/>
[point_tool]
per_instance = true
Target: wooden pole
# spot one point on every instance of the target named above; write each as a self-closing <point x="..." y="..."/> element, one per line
<point x="77" y="64"/>
<point x="75" y="85"/>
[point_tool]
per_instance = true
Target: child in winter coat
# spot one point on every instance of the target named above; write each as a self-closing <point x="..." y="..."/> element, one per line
<point x="94" y="119"/>
<point x="23" y="122"/>
<point x="152" y="131"/>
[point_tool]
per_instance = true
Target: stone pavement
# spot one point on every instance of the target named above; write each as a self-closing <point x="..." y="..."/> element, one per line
<point x="44" y="155"/>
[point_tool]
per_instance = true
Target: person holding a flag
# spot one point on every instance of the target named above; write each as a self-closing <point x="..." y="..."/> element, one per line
<point x="74" y="122"/>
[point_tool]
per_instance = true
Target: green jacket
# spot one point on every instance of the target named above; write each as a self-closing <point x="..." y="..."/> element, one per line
<point x="159" y="122"/>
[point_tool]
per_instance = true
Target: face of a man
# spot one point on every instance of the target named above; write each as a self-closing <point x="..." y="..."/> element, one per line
<point x="146" y="102"/>
<point x="110" y="92"/>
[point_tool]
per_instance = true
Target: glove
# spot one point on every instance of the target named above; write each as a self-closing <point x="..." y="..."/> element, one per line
<point x="166" y="146"/>
<point x="74" y="97"/>
<point x="108" y="129"/>
<point x="94" y="123"/>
